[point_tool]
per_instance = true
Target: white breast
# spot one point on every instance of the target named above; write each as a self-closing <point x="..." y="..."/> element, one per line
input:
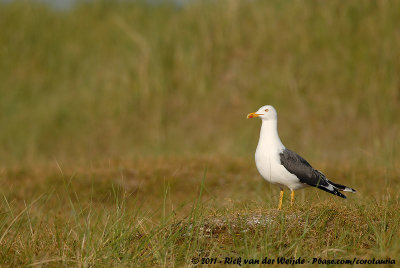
<point x="268" y="160"/>
<point x="270" y="168"/>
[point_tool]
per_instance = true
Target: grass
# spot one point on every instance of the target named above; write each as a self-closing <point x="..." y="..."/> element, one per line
<point x="128" y="213"/>
<point x="124" y="140"/>
<point x="110" y="80"/>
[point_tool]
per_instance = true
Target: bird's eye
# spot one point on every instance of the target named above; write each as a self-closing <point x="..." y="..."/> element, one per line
<point x="266" y="110"/>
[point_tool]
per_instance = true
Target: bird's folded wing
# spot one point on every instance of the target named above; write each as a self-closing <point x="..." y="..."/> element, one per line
<point x="299" y="167"/>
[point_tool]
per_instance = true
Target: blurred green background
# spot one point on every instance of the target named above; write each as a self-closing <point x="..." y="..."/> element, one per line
<point x="106" y="79"/>
<point x="124" y="138"/>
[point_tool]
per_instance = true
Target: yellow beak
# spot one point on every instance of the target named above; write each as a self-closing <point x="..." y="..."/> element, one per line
<point x="252" y="115"/>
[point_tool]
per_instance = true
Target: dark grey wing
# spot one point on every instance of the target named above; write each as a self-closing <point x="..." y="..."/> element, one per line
<point x="299" y="167"/>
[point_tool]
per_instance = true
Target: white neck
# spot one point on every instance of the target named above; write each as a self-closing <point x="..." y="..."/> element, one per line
<point x="269" y="137"/>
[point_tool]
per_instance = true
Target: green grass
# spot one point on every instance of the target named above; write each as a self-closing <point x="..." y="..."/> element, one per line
<point x="128" y="213"/>
<point x="123" y="137"/>
<point x="109" y="80"/>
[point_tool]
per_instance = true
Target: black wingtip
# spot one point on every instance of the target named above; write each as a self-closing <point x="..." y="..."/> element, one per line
<point x="335" y="191"/>
<point x="340" y="187"/>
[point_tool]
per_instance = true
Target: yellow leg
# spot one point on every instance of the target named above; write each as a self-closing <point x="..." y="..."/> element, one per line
<point x="292" y="199"/>
<point x="280" y="200"/>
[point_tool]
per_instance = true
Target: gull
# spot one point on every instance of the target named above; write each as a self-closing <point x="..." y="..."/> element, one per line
<point x="283" y="167"/>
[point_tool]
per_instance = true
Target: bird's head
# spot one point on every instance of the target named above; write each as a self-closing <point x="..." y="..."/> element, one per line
<point x="266" y="112"/>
